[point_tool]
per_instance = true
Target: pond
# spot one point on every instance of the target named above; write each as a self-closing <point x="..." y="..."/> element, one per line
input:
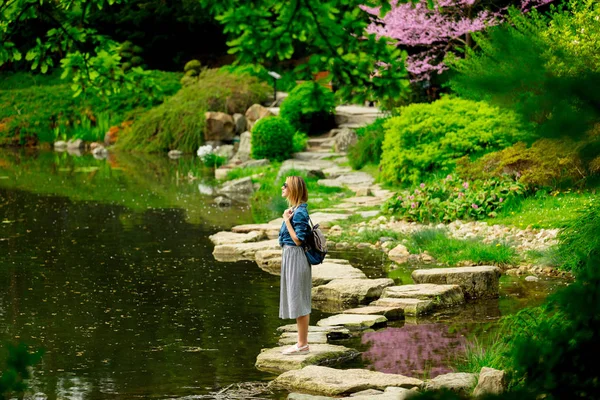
<point x="106" y="265"/>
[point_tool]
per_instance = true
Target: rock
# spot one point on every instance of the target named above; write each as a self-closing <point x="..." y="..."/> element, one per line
<point x="239" y="121"/>
<point x="532" y="278"/>
<point x="290" y="338"/>
<point x="351" y="292"/>
<point x="354" y="322"/>
<point x="226" y="237"/>
<point x="344" y="140"/>
<point x="351" y="180"/>
<point x="491" y="381"/>
<point x="369" y="214"/>
<point x="368" y="392"/>
<point x="325" y="219"/>
<point x="60" y="145"/>
<point x="76" y="144"/>
<point x="391" y="313"/>
<point x="338" y="382"/>
<point x="241" y="186"/>
<point x="269" y="260"/>
<point x="440" y="295"/>
<point x="391" y="393"/>
<point x="460" y="382"/>
<point x="475" y="282"/>
<point x="272" y="360"/>
<point x="256" y="112"/>
<point x="221" y="172"/>
<point x="225" y="150"/>
<point x="271" y="229"/>
<point x="426" y="258"/>
<point x="363" y="191"/>
<point x="244" y="149"/>
<point x="222" y="201"/>
<point x="243" y="251"/>
<point x="254" y="163"/>
<point x="311" y="156"/>
<point x="412" y="307"/>
<point x="316" y="173"/>
<point x="328" y="271"/>
<point x="335" y="230"/>
<point x="332" y="332"/>
<point x="399" y="254"/>
<point x="356" y="115"/>
<point x="219" y="126"/>
<point x="302" y="396"/>
<point x="314" y="167"/>
<point x="100" y="152"/>
<point x="174" y="154"/>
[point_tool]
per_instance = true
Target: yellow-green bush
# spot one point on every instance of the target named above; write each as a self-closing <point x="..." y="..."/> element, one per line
<point x="179" y="122"/>
<point x="428" y="138"/>
<point x="272" y="138"/>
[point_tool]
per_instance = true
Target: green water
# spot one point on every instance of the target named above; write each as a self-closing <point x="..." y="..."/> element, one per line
<point x="107" y="266"/>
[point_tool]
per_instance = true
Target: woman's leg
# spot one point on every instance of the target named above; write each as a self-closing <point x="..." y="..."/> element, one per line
<point x="302" y="323"/>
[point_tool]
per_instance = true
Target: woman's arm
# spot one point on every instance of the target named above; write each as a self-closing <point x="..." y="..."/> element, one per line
<point x="287" y="217"/>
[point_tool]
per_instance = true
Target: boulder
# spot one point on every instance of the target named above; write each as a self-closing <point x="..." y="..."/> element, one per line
<point x="338" y="382"/>
<point x="254" y="163"/>
<point x="271" y="360"/>
<point x="390" y="393"/>
<point x="440" y="295"/>
<point x="239" y="120"/>
<point x="270" y="229"/>
<point x="460" y="382"/>
<point x="219" y="126"/>
<point x="61" y="145"/>
<point x="354" y="322"/>
<point x="225" y="150"/>
<point x="222" y="201"/>
<point x="75" y="144"/>
<point x="269" y="260"/>
<point x="356" y="115"/>
<point x="390" y="312"/>
<point x="290" y="338"/>
<point x="243" y="251"/>
<point x="412" y="307"/>
<point x="399" y="254"/>
<point x="241" y="186"/>
<point x="351" y="292"/>
<point x="368" y="392"/>
<point x="244" y="149"/>
<point x="344" y="139"/>
<point x="100" y="152"/>
<point x="491" y="381"/>
<point x="475" y="282"/>
<point x="254" y="113"/>
<point x="226" y="237"/>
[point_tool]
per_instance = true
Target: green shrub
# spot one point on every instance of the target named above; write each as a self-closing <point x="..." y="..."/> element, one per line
<point x="430" y="137"/>
<point x="309" y="108"/>
<point x="272" y="138"/>
<point x="580" y="239"/>
<point x="450" y="199"/>
<point x="548" y="163"/>
<point x="367" y="149"/>
<point x="299" y="142"/>
<point x="286" y="83"/>
<point x="178" y="123"/>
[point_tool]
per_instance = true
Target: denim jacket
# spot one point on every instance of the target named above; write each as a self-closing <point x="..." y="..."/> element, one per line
<point x="300" y="224"/>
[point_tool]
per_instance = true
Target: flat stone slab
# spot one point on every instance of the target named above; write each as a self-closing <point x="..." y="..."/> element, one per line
<point x="440" y="295"/>
<point x="476" y="282"/>
<point x="271" y="229"/>
<point x="351" y="180"/>
<point x="411" y="307"/>
<point x="351" y="292"/>
<point x="354" y="322"/>
<point x="300" y="165"/>
<point x="364" y="201"/>
<point x="329" y="270"/>
<point x="269" y="261"/>
<point x="339" y="382"/>
<point x="271" y="360"/>
<point x="290" y="338"/>
<point x="243" y="251"/>
<point x="391" y="313"/>
<point x="461" y="382"/>
<point x="332" y="332"/>
<point x="390" y="393"/>
<point x="325" y="220"/>
<point x="312" y="156"/>
<point x="226" y="237"/>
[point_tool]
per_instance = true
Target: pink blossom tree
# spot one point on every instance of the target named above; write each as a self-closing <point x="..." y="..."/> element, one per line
<point x="430" y="33"/>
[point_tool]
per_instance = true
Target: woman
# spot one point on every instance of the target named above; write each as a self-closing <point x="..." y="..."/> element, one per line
<point x="296" y="274"/>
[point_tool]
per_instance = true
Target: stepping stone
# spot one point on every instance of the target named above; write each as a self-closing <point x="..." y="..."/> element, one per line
<point x="267" y="228"/>
<point x="312" y="156"/>
<point x="391" y="313"/>
<point x="339" y="382"/>
<point x="461" y="382"/>
<point x="364" y="201"/>
<point x="369" y="214"/>
<point x="476" y="282"/>
<point x="352" y="179"/>
<point x="354" y="322"/>
<point x="411" y="307"/>
<point x="440" y="295"/>
<point x="302" y="396"/>
<point x="290" y="338"/>
<point x="390" y="393"/>
<point x="332" y="332"/>
<point x="271" y="360"/>
<point x="307" y="166"/>
<point x="350" y="292"/>
<point x="329" y="270"/>
<point x="325" y="219"/>
<point x="269" y="261"/>
<point x="243" y="251"/>
<point x="226" y="237"/>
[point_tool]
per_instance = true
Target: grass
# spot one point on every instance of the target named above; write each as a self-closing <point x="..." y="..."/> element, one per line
<point x="543" y="210"/>
<point x="490" y="353"/>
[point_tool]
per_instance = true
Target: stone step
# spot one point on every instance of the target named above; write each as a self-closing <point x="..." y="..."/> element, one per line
<point x="226" y="237"/>
<point x="412" y="307"/>
<point x="243" y="251"/>
<point x="332" y="332"/>
<point x="271" y="360"/>
<point x="350" y="292"/>
<point x="351" y="179"/>
<point x="339" y="382"/>
<point x="440" y="295"/>
<point x="476" y="282"/>
<point x="354" y="322"/>
<point x="309" y="156"/>
<point x="391" y="313"/>
<point x="290" y="338"/>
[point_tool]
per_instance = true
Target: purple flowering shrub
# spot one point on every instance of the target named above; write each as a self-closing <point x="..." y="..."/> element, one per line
<point x="451" y="198"/>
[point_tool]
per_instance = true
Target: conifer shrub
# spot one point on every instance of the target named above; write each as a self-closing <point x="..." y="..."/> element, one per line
<point x="272" y="138"/>
<point x="367" y="150"/>
<point x="309" y="108"/>
<point x="429" y="138"/>
<point x="580" y="239"/>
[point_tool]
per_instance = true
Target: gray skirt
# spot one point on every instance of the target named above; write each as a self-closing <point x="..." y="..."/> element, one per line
<point x="296" y="283"/>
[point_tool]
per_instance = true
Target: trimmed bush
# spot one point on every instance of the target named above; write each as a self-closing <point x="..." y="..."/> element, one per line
<point x="179" y="122"/>
<point x="300" y="140"/>
<point x="309" y="108"/>
<point x="272" y="138"/>
<point x="367" y="149"/>
<point x="428" y="138"/>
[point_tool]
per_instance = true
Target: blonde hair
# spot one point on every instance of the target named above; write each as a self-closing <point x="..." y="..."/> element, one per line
<point x="297" y="191"/>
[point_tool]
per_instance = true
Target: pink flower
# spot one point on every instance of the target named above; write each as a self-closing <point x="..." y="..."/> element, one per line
<point x="501" y="200"/>
<point x="422" y="185"/>
<point x="475" y="206"/>
<point x="411" y="197"/>
<point x="399" y="198"/>
<point x="417" y="191"/>
<point x="465" y="185"/>
<point x="461" y="194"/>
<point x="449" y="178"/>
<point x="413" y="205"/>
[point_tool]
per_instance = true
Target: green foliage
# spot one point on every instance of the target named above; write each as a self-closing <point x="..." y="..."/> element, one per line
<point x="543" y="67"/>
<point x="178" y="123"/>
<point x="367" y="150"/>
<point x="130" y="56"/>
<point x="272" y="138"/>
<point x="426" y="138"/>
<point x="580" y="239"/>
<point x="309" y="108"/>
<point x="286" y="83"/>
<point x="548" y="163"/>
<point x="16" y="371"/>
<point x="490" y="353"/>
<point x="299" y="142"/>
<point x="450" y="199"/>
